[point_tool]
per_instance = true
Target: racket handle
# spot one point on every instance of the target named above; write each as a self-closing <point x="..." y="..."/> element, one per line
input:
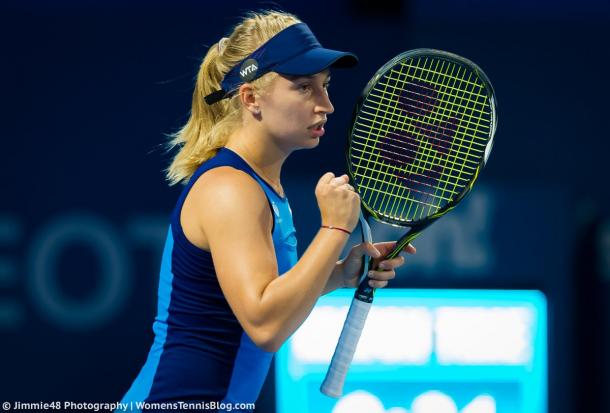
<point x="346" y="347"/>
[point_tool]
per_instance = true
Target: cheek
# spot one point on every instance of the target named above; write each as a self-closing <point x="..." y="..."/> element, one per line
<point x="287" y="118"/>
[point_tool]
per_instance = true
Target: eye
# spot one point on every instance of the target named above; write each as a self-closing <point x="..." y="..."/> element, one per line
<point x="326" y="85"/>
<point x="304" y="87"/>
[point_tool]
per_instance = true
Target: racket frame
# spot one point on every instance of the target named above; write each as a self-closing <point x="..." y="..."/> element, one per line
<point x="419" y="225"/>
<point x="363" y="297"/>
<point x="364" y="291"/>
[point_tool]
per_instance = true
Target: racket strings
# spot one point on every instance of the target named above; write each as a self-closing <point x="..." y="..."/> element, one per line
<point x="465" y="111"/>
<point x="403" y="155"/>
<point x="406" y="151"/>
<point x="416" y="193"/>
<point x="411" y="91"/>
<point x="395" y="194"/>
<point x="420" y="82"/>
<point x="469" y="125"/>
<point x="392" y="198"/>
<point x="443" y="85"/>
<point x="419" y="169"/>
<point x="421" y="85"/>
<point x="468" y="116"/>
<point x="397" y="187"/>
<point x="376" y="128"/>
<point x="420" y="141"/>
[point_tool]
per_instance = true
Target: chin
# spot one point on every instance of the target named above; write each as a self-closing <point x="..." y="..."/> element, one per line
<point x="312" y="143"/>
<point x="307" y="143"/>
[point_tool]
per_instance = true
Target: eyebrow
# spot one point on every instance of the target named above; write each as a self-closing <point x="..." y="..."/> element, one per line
<point x="309" y="77"/>
<point x="312" y="76"/>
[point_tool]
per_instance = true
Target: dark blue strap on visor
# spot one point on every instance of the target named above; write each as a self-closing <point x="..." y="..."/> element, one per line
<point x="293" y="51"/>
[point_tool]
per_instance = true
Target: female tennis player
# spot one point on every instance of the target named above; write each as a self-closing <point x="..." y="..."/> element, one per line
<point x="231" y="288"/>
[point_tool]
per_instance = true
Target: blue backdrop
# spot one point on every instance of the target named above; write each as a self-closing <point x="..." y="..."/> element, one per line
<point x="90" y="90"/>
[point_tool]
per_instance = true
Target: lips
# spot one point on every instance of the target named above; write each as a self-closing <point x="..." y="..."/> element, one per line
<point x="317" y="124"/>
<point x="317" y="132"/>
<point x="317" y="129"/>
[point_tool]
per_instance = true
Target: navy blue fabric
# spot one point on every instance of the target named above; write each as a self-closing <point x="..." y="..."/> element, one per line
<point x="293" y="51"/>
<point x="200" y="351"/>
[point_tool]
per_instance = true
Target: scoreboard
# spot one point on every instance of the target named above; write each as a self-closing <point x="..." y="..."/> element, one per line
<point x="424" y="351"/>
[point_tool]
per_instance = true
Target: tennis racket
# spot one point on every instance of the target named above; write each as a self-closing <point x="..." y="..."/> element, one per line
<point x="422" y="131"/>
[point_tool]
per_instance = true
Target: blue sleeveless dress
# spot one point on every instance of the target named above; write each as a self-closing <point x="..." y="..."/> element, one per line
<point x="200" y="351"/>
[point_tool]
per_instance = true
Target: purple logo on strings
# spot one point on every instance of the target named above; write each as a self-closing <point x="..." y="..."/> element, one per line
<point x="426" y="142"/>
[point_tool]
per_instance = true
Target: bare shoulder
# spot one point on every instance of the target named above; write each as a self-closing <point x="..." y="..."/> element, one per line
<point x="228" y="187"/>
<point x="223" y="199"/>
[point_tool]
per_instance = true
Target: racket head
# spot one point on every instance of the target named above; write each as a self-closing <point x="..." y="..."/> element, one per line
<point x="422" y="130"/>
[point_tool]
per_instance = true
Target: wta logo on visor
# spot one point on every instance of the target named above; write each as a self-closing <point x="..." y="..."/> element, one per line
<point x="248" y="70"/>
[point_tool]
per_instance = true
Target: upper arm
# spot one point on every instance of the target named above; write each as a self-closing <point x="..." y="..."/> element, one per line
<point x="236" y="220"/>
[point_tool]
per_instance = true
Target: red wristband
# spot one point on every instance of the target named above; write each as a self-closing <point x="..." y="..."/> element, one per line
<point x="337" y="228"/>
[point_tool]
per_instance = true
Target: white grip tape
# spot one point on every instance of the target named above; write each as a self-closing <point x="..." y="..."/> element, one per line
<point x="346" y="347"/>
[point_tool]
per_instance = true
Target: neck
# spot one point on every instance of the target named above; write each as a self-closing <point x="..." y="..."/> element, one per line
<point x="261" y="153"/>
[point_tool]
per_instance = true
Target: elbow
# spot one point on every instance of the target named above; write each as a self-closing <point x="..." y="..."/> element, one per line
<point x="271" y="346"/>
<point x="266" y="339"/>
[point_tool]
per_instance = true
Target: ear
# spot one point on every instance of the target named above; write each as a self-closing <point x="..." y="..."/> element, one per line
<point x="249" y="99"/>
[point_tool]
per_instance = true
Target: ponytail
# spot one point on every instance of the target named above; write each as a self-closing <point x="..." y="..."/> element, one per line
<point x="209" y="126"/>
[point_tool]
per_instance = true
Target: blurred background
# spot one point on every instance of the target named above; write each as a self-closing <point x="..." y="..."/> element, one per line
<point x="91" y="88"/>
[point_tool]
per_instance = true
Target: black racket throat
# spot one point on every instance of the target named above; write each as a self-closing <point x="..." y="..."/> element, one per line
<point x="365" y="292"/>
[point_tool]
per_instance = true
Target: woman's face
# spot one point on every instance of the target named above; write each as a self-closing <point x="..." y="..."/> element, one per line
<point x="294" y="109"/>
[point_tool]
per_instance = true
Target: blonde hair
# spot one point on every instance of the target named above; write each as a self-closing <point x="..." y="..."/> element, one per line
<point x="209" y="126"/>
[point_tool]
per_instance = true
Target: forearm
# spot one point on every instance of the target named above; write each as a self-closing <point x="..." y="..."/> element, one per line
<point x="287" y="300"/>
<point x="335" y="281"/>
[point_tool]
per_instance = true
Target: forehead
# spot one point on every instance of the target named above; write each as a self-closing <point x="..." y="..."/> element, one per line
<point x="282" y="83"/>
<point x="323" y="75"/>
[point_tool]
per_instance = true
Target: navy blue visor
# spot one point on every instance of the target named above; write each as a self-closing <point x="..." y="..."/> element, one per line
<point x="294" y="51"/>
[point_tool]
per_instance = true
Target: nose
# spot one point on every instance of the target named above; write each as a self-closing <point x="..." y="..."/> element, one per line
<point x="323" y="105"/>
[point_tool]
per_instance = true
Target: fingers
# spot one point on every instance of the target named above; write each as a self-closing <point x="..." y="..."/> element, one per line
<point x="326" y="178"/>
<point x="388" y="246"/>
<point x="381" y="249"/>
<point x="366" y="248"/>
<point x="377" y="284"/>
<point x="379" y="279"/>
<point x="329" y="178"/>
<point x="409" y="249"/>
<point x="340" y="180"/>
<point x="339" y="204"/>
<point x="391" y="264"/>
<point x="384" y="270"/>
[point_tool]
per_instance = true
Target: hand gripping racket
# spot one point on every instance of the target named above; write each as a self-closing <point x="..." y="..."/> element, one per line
<point x="422" y="131"/>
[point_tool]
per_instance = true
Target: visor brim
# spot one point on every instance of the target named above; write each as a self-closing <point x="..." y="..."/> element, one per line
<point x="314" y="61"/>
